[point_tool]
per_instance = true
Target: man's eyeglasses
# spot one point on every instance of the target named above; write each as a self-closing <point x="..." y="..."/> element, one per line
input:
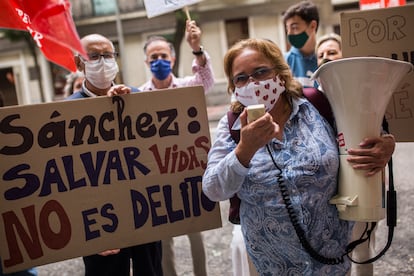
<point x="258" y="75"/>
<point x="108" y="57"/>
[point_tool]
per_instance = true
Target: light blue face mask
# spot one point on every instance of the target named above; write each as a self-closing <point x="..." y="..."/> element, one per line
<point x="161" y="68"/>
<point x="298" y="40"/>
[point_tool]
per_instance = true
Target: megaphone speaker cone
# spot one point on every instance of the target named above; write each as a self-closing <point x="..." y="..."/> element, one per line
<point x="359" y="90"/>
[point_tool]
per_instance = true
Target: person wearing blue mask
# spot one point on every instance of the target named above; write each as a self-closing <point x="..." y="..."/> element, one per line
<point x="301" y="22"/>
<point x="160" y="58"/>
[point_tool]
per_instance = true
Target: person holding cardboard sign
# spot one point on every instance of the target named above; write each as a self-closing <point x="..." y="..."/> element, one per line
<point x="160" y="58"/>
<point x="100" y="71"/>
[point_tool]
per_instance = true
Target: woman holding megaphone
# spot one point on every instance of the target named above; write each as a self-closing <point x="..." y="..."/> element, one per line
<point x="372" y="156"/>
<point x="374" y="152"/>
<point x="284" y="168"/>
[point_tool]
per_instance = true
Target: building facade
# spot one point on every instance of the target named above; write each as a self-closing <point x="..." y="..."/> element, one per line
<point x="125" y="22"/>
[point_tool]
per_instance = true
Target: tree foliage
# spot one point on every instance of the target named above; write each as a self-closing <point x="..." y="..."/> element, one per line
<point x="180" y="19"/>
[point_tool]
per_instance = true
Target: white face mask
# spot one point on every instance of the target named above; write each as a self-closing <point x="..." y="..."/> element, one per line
<point x="102" y="73"/>
<point x="265" y="92"/>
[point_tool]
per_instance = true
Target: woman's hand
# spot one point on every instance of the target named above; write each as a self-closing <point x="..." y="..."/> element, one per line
<point x="254" y="135"/>
<point x="109" y="252"/>
<point x="119" y="89"/>
<point x="373" y="154"/>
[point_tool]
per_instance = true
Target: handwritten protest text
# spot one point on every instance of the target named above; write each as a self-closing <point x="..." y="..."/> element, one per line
<point x="376" y="30"/>
<point x="101" y="129"/>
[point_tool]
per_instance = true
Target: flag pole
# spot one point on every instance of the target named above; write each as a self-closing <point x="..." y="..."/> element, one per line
<point x="187" y="13"/>
<point x="121" y="44"/>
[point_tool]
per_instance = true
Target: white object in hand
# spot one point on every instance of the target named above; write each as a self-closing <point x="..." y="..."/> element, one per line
<point x="255" y="111"/>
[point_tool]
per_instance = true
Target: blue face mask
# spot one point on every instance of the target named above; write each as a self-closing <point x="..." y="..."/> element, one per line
<point x="299" y="40"/>
<point x="161" y="68"/>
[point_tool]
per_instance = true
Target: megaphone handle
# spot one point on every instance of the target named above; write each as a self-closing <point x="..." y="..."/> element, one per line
<point x="391" y="220"/>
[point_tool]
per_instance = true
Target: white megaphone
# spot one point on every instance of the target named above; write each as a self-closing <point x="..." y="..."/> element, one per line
<point x="359" y="90"/>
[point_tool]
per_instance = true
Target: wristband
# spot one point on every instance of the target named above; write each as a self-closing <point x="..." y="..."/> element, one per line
<point x="199" y="52"/>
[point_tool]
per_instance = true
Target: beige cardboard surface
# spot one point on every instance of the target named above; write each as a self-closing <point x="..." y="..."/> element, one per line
<point x="386" y="33"/>
<point x="131" y="175"/>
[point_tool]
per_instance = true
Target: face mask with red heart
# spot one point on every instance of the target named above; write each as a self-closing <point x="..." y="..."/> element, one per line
<point x="265" y="92"/>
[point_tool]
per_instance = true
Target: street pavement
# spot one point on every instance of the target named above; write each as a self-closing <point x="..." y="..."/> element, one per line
<point x="398" y="260"/>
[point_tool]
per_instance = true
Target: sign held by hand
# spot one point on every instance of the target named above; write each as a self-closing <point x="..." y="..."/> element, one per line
<point x="158" y="7"/>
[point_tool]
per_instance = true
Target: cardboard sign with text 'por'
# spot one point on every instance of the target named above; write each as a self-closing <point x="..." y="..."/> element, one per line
<point x="386" y="33"/>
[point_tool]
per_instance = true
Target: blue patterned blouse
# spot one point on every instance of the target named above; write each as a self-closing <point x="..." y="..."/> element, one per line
<point x="308" y="158"/>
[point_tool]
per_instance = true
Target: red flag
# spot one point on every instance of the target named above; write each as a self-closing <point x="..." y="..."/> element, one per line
<point x="376" y="4"/>
<point x="51" y="25"/>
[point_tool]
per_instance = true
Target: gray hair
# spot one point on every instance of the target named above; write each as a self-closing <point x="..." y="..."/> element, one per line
<point x="158" y="38"/>
<point x="70" y="79"/>
<point x="327" y="37"/>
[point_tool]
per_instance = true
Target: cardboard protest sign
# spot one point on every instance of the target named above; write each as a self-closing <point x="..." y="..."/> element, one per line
<point x="82" y="176"/>
<point x="386" y="33"/>
<point x="158" y="7"/>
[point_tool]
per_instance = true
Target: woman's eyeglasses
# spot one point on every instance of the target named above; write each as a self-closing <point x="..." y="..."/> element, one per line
<point x="258" y="75"/>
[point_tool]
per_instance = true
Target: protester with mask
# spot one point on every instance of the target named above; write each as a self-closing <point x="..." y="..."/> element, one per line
<point x="284" y="168"/>
<point x="328" y="48"/>
<point x="100" y="71"/>
<point x="301" y="22"/>
<point x="160" y="58"/>
<point x="286" y="159"/>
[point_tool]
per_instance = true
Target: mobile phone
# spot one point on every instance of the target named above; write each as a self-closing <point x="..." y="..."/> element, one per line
<point x="255" y="111"/>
